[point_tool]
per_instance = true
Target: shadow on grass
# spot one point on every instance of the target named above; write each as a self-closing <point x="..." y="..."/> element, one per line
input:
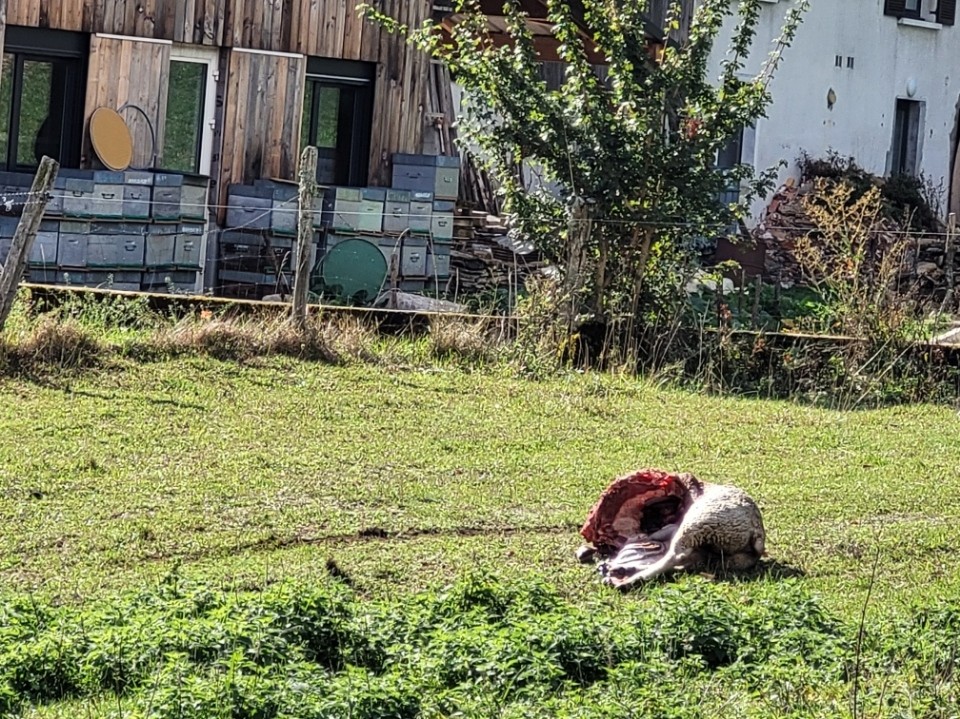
<point x="768" y="570"/>
<point x="116" y="397"/>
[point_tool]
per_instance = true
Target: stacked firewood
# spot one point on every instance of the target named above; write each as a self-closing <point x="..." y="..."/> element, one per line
<point x="486" y="257"/>
<point x="784" y="222"/>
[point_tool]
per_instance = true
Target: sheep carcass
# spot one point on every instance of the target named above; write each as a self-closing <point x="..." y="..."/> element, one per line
<point x="651" y="522"/>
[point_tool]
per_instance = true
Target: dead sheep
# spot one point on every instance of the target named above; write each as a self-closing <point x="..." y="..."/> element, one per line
<point x="651" y="522"/>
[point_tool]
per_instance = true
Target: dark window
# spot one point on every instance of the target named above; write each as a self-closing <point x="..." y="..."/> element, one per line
<point x="905" y="154"/>
<point x="183" y="136"/>
<point x="554" y="73"/>
<point x="902" y="8"/>
<point x="947" y="12"/>
<point x="41" y="97"/>
<point x="337" y="119"/>
<point x="731" y="153"/>
<point x="729" y="156"/>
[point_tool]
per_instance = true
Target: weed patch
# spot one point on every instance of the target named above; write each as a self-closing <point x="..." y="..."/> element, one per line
<point x="185" y="650"/>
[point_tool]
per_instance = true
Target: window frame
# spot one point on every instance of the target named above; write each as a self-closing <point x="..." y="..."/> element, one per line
<point x="355" y="81"/>
<point x="71" y="51"/>
<point x="944" y="12"/>
<point x="902" y="153"/>
<point x="898" y="9"/>
<point x="210" y="58"/>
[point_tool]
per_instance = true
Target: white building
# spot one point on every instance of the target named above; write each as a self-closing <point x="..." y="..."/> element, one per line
<point x="877" y="80"/>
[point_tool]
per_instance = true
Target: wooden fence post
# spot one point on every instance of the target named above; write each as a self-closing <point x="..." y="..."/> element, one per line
<point x="950" y="253"/>
<point x="755" y="314"/>
<point x="308" y="191"/>
<point x="12" y="271"/>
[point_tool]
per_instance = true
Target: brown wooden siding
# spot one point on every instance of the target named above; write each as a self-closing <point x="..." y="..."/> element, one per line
<point x="3" y="27"/>
<point x="199" y="22"/>
<point x="265" y="142"/>
<point x="261" y="119"/>
<point x="401" y="91"/>
<point x="126" y="70"/>
<point x="325" y="28"/>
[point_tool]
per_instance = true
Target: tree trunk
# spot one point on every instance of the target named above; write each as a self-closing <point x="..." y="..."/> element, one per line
<point x="640" y="248"/>
<point x="645" y="246"/>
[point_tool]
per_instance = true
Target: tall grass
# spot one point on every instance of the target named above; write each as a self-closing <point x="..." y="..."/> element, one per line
<point x="86" y="332"/>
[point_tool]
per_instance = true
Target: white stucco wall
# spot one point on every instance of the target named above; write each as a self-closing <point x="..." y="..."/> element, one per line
<point x="887" y="55"/>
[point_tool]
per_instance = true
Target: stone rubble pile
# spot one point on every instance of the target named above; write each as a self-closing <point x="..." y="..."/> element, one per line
<point x="786" y="222"/>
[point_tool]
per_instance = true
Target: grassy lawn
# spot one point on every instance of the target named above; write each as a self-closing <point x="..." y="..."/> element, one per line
<point x="243" y="476"/>
<point x="264" y="472"/>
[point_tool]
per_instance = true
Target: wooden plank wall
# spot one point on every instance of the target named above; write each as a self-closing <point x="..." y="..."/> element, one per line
<point x="322" y="28"/>
<point x="262" y="112"/>
<point x="125" y="71"/>
<point x="402" y="87"/>
<point x="325" y="28"/>
<point x="657" y="12"/>
<point x="3" y="27"/>
<point x="199" y="22"/>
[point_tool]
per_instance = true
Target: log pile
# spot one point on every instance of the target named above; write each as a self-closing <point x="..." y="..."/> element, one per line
<point x="485" y="257"/>
<point x="786" y="222"/>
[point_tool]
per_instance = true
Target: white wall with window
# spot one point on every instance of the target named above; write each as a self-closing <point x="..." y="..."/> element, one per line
<point x="873" y="79"/>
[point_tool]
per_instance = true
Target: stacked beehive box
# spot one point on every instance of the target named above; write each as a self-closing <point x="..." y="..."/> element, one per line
<point x="123" y="230"/>
<point x="411" y="223"/>
<point x="257" y="248"/>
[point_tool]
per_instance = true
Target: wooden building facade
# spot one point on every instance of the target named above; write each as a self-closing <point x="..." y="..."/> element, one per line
<point x="230" y="89"/>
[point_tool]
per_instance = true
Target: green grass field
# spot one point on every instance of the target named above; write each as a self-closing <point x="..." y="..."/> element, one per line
<point x="242" y="476"/>
<point x="264" y="472"/>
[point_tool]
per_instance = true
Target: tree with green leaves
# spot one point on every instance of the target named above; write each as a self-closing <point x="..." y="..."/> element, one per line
<point x="634" y="152"/>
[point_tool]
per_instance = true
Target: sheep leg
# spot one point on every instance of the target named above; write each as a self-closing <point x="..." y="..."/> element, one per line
<point x="673" y="559"/>
<point x="665" y="533"/>
<point x="670" y="561"/>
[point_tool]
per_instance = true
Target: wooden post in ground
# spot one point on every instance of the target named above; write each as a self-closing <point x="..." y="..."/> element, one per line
<point x="740" y="291"/>
<point x="755" y="315"/>
<point x="308" y="191"/>
<point x="578" y="237"/>
<point x="949" y="258"/>
<point x="395" y="278"/>
<point x="12" y="271"/>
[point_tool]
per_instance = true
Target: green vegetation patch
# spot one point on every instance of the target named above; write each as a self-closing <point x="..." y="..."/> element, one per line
<point x="481" y="647"/>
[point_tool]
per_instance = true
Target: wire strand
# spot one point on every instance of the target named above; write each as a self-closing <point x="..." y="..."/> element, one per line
<point x="762" y="225"/>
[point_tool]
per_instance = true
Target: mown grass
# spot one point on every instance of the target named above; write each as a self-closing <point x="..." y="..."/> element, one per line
<point x="255" y="478"/>
<point x="264" y="471"/>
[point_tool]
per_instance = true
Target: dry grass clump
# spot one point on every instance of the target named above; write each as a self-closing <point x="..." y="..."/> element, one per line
<point x="856" y="261"/>
<point x="458" y="338"/>
<point x="243" y="338"/>
<point x="52" y="344"/>
<point x="351" y="338"/>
